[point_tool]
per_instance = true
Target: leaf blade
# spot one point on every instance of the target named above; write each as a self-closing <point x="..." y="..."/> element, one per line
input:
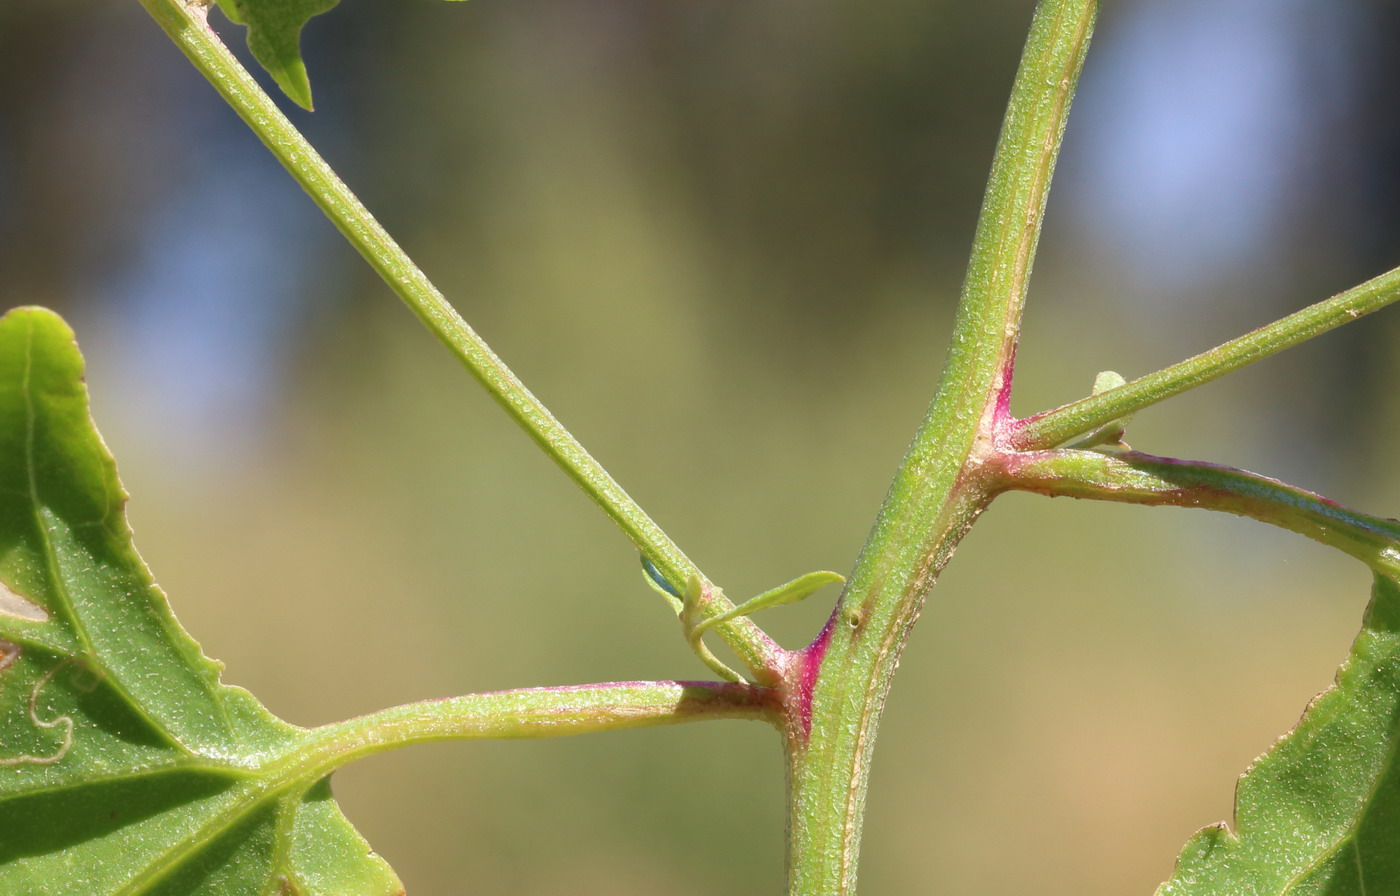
<point x="274" y="38"/>
<point x="126" y="766"/>
<point x="1319" y="813"/>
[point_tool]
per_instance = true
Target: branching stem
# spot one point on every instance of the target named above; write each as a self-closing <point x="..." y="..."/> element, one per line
<point x="827" y="699"/>
<point x="838" y="687"/>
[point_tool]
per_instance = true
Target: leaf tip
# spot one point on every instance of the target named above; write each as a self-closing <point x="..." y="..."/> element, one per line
<point x="274" y="39"/>
<point x="297" y="86"/>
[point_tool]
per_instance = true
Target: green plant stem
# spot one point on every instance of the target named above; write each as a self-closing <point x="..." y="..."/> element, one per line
<point x="1136" y="478"/>
<point x="941" y="486"/>
<point x="1054" y="427"/>
<point x="184" y="21"/>
<point x="535" y="713"/>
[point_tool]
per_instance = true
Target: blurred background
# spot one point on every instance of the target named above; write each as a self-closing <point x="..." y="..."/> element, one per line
<point x="723" y="242"/>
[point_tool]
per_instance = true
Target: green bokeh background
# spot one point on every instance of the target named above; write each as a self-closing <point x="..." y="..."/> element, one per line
<point x="723" y="243"/>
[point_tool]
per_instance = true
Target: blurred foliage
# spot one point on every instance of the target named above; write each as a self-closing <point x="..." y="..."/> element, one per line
<point x="723" y="242"/>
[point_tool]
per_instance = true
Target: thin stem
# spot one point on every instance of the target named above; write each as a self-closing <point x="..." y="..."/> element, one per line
<point x="1136" y="478"/>
<point x="841" y="680"/>
<point x="1051" y="428"/>
<point x="185" y="23"/>
<point x="538" y="712"/>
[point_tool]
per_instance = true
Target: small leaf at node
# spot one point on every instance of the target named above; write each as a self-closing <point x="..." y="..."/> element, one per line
<point x="1110" y="435"/>
<point x="798" y="589"/>
<point x="1108" y="379"/>
<point x="699" y="597"/>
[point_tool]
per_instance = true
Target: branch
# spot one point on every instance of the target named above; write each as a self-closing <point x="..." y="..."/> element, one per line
<point x="541" y="712"/>
<point x="1135" y="478"/>
<point x="1051" y="428"/>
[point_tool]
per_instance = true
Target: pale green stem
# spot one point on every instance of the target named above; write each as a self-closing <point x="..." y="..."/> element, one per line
<point x="1051" y="428"/>
<point x="1135" y="478"/>
<point x="535" y="713"/>
<point x="185" y="23"/>
<point x="940" y="487"/>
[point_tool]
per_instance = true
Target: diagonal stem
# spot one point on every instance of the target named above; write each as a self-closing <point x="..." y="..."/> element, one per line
<point x="184" y="21"/>
<point x="1051" y="428"/>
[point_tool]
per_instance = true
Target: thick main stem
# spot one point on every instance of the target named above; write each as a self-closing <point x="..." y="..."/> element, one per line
<point x="841" y="681"/>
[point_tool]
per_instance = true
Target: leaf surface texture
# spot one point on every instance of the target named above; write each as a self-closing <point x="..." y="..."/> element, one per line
<point x="1319" y="813"/>
<point x="126" y="767"/>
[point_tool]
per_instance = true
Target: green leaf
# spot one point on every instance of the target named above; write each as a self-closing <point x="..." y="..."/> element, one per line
<point x="126" y="767"/>
<point x="798" y="589"/>
<point x="1109" y="435"/>
<point x="274" y="38"/>
<point x="697" y="608"/>
<point x="1319" y="813"/>
<point x="699" y="600"/>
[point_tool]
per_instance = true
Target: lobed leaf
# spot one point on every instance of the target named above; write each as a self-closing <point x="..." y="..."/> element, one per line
<point x="1319" y="813"/>
<point x="126" y="767"/>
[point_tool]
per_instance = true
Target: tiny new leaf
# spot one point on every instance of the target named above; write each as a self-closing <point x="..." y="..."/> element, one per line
<point x="274" y="38"/>
<point x="126" y="767"/>
<point x="1319" y="813"/>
